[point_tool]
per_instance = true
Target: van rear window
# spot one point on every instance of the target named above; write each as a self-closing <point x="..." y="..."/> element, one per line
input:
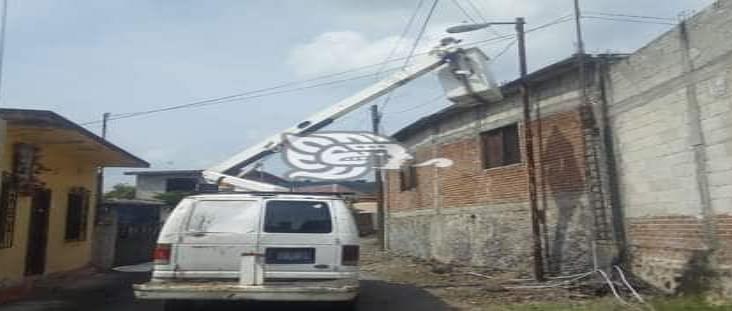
<point x="224" y="217"/>
<point x="297" y="217"/>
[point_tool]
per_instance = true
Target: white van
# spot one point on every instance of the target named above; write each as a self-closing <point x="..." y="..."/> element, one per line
<point x="249" y="246"/>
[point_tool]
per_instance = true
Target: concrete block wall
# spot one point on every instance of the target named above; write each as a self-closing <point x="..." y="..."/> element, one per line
<point x="671" y="116"/>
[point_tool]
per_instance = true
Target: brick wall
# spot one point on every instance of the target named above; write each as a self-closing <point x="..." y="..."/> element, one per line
<point x="559" y="156"/>
<point x="479" y="216"/>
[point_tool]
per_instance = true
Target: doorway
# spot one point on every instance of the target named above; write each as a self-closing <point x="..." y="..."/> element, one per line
<point x="35" y="260"/>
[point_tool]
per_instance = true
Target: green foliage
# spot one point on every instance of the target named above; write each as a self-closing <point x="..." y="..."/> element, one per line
<point x="171" y="198"/>
<point x="121" y="191"/>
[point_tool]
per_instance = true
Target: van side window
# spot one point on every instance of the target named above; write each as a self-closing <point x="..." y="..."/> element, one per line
<point x="224" y="217"/>
<point x="297" y="217"/>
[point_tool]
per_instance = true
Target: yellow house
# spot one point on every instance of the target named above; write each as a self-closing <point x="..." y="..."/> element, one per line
<point x="48" y="168"/>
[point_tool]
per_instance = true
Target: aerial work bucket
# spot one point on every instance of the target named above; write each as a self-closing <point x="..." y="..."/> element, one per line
<point x="467" y="80"/>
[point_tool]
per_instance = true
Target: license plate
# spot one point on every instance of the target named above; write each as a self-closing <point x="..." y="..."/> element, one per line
<point x="290" y="255"/>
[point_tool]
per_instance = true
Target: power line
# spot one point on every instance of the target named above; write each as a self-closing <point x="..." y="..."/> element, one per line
<point x="398" y="43"/>
<point x="627" y="20"/>
<point x="470" y="17"/>
<point x="630" y="15"/>
<point x="3" y="24"/>
<point x="284" y="85"/>
<point x="231" y="98"/>
<point x="432" y="100"/>
<point x="422" y="29"/>
<point x="404" y="33"/>
<point x="465" y="12"/>
<point x="503" y="51"/>
<point x="561" y="19"/>
<point x="421" y="33"/>
<point x="261" y="92"/>
<point x="257" y="93"/>
<point x="477" y="11"/>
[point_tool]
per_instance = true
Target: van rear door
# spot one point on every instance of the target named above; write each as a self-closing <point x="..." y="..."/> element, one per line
<point x="216" y="234"/>
<point x="299" y="238"/>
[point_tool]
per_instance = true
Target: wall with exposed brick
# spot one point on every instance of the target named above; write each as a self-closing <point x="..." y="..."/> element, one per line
<point x="671" y="115"/>
<point x="471" y="215"/>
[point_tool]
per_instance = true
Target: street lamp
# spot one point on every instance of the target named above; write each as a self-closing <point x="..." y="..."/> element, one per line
<point x="528" y="144"/>
<point x="473" y="27"/>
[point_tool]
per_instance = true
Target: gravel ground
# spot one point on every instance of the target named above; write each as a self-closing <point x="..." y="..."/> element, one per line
<point x="466" y="288"/>
<point x="388" y="282"/>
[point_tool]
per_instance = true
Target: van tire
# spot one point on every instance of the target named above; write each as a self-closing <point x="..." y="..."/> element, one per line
<point x="177" y="305"/>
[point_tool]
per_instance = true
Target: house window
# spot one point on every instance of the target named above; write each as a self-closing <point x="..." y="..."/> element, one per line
<point x="180" y="184"/>
<point x="500" y="146"/>
<point x="408" y="177"/>
<point x="76" y="214"/>
<point x="7" y="211"/>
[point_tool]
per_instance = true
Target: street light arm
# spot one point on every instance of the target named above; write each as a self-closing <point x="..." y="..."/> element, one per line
<point x="473" y="27"/>
<point x="467" y="27"/>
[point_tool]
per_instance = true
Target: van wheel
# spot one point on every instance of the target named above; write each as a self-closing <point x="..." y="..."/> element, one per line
<point x="177" y="305"/>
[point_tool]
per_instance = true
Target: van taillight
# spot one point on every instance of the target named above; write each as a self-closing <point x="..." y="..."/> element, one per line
<point x="161" y="255"/>
<point x="349" y="255"/>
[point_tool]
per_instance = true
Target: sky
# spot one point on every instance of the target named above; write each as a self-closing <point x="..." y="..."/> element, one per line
<point x="83" y="58"/>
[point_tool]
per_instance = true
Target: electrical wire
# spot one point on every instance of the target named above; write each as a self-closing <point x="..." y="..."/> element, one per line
<point x="558" y="284"/>
<point x="442" y="96"/>
<point x="578" y="277"/>
<point x="231" y="98"/>
<point x="627" y="284"/>
<point x="561" y="19"/>
<point x="422" y="29"/>
<point x="629" y="15"/>
<point x="387" y="98"/>
<point x="626" y="20"/>
<point x="421" y="32"/>
<point x="465" y="12"/>
<point x="268" y="91"/>
<point x="612" y="287"/>
<point x="503" y="51"/>
<point x="403" y="34"/>
<point x="234" y="96"/>
<point x="480" y="15"/>
<point x="3" y="24"/>
<point x="429" y="101"/>
<point x="261" y="92"/>
<point x="470" y="17"/>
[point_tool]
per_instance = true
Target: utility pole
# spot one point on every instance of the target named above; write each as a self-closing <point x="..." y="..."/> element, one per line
<point x="105" y="119"/>
<point x="593" y="152"/>
<point x="100" y="170"/>
<point x="380" y="216"/>
<point x="3" y="25"/>
<point x="580" y="52"/>
<point x="529" y="146"/>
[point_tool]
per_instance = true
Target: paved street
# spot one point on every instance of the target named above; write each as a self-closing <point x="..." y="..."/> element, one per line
<point x="113" y="292"/>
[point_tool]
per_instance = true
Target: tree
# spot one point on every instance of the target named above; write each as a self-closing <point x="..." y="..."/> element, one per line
<point x="121" y="191"/>
<point x="171" y="198"/>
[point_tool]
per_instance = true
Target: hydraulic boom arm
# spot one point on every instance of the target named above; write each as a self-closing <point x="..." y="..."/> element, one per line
<point x="230" y="171"/>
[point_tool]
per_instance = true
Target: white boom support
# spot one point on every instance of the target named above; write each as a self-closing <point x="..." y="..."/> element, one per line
<point x="229" y="171"/>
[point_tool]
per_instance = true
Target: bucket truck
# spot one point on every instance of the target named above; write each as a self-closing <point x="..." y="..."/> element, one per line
<point x="285" y="246"/>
